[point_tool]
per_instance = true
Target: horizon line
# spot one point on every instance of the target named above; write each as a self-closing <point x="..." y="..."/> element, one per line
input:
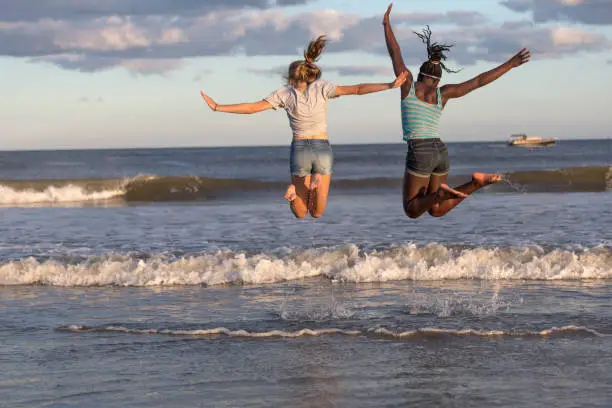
<point x="264" y="145"/>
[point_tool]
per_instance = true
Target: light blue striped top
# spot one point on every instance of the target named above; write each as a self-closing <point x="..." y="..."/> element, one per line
<point x="420" y="119"/>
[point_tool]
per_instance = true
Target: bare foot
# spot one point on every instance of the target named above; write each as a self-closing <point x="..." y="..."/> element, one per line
<point x="315" y="181"/>
<point x="484" y="179"/>
<point x="290" y="195"/>
<point x="446" y="193"/>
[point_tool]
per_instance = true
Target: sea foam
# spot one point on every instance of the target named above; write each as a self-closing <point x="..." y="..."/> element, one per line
<point x="372" y="332"/>
<point x="344" y="264"/>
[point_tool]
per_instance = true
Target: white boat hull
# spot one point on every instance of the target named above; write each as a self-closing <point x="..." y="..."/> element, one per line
<point x="532" y="143"/>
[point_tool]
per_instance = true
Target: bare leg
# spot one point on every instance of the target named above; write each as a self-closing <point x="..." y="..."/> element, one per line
<point x="315" y="180"/>
<point x="479" y="180"/>
<point x="298" y="194"/>
<point x="418" y="198"/>
<point x="318" y="194"/>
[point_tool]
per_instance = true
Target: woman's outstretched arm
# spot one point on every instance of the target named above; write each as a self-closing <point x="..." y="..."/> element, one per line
<point x="459" y="90"/>
<point x="393" y="47"/>
<point x="363" y="89"/>
<point x="242" y="108"/>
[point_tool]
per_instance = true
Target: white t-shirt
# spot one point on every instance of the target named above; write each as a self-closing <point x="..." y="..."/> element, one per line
<point x="307" y="111"/>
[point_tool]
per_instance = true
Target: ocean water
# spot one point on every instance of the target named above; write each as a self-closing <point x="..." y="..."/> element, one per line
<point x="179" y="277"/>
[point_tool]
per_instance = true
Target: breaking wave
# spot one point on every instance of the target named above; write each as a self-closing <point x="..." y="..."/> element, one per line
<point x="144" y="188"/>
<point x="152" y="188"/>
<point x="345" y="264"/>
<point x="570" y="179"/>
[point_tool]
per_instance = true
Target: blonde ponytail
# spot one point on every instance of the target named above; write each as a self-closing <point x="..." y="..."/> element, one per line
<point x="314" y="50"/>
<point x="306" y="70"/>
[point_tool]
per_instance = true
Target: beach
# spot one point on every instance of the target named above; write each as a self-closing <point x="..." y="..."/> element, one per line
<point x="179" y="277"/>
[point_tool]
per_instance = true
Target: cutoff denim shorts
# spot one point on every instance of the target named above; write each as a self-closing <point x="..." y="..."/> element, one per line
<point x="427" y="157"/>
<point x="310" y="156"/>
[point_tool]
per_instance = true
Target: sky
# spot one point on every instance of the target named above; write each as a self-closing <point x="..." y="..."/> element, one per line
<point x="127" y="73"/>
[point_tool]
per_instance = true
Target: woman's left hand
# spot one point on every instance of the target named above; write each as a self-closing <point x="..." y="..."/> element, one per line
<point x="211" y="103"/>
<point x="520" y="58"/>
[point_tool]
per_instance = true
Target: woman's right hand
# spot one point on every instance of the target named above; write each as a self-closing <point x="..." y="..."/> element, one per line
<point x="399" y="81"/>
<point x="211" y="103"/>
<point x="520" y="58"/>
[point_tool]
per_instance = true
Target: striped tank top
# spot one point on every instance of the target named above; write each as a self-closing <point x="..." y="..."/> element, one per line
<point x="420" y="119"/>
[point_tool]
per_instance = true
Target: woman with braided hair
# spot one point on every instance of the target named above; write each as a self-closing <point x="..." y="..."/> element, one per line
<point x="427" y="163"/>
<point x="305" y="100"/>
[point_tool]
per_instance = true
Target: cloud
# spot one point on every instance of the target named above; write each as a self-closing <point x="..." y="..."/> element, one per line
<point x="362" y="70"/>
<point x="198" y="77"/>
<point x="348" y="70"/>
<point x="518" y="24"/>
<point x="581" y="11"/>
<point x="268" y="72"/>
<point x="86" y="99"/>
<point x="488" y="42"/>
<point x="496" y="44"/>
<point x="158" y="44"/>
<point x="566" y="36"/>
<point x="85" y="63"/>
<point x="32" y="10"/>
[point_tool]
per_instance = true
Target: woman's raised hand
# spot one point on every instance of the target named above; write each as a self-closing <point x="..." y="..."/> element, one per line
<point x="520" y="58"/>
<point x="211" y="103"/>
<point x="386" y="17"/>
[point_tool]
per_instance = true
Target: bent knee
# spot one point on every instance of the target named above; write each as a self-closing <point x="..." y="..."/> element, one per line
<point x="410" y="213"/>
<point x="317" y="211"/>
<point x="300" y="214"/>
<point x="435" y="212"/>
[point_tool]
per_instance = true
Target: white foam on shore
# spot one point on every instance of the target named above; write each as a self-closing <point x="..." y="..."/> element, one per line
<point x="55" y="195"/>
<point x="76" y="191"/>
<point x="379" y="332"/>
<point x="347" y="264"/>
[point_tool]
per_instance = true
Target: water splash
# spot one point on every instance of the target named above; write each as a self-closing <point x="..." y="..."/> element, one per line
<point x="445" y="305"/>
<point x="514" y="185"/>
<point x="289" y="310"/>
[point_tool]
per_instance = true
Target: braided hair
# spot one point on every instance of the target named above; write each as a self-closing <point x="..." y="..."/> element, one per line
<point x="436" y="56"/>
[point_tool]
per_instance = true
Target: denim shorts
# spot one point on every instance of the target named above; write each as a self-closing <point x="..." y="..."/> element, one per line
<point x="310" y="156"/>
<point x="426" y="157"/>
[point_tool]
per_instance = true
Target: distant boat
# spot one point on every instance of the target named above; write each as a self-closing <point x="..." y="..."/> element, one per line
<point x="522" y="140"/>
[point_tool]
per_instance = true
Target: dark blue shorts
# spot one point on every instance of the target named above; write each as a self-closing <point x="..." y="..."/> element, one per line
<point x="427" y="157"/>
<point x="310" y="156"/>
